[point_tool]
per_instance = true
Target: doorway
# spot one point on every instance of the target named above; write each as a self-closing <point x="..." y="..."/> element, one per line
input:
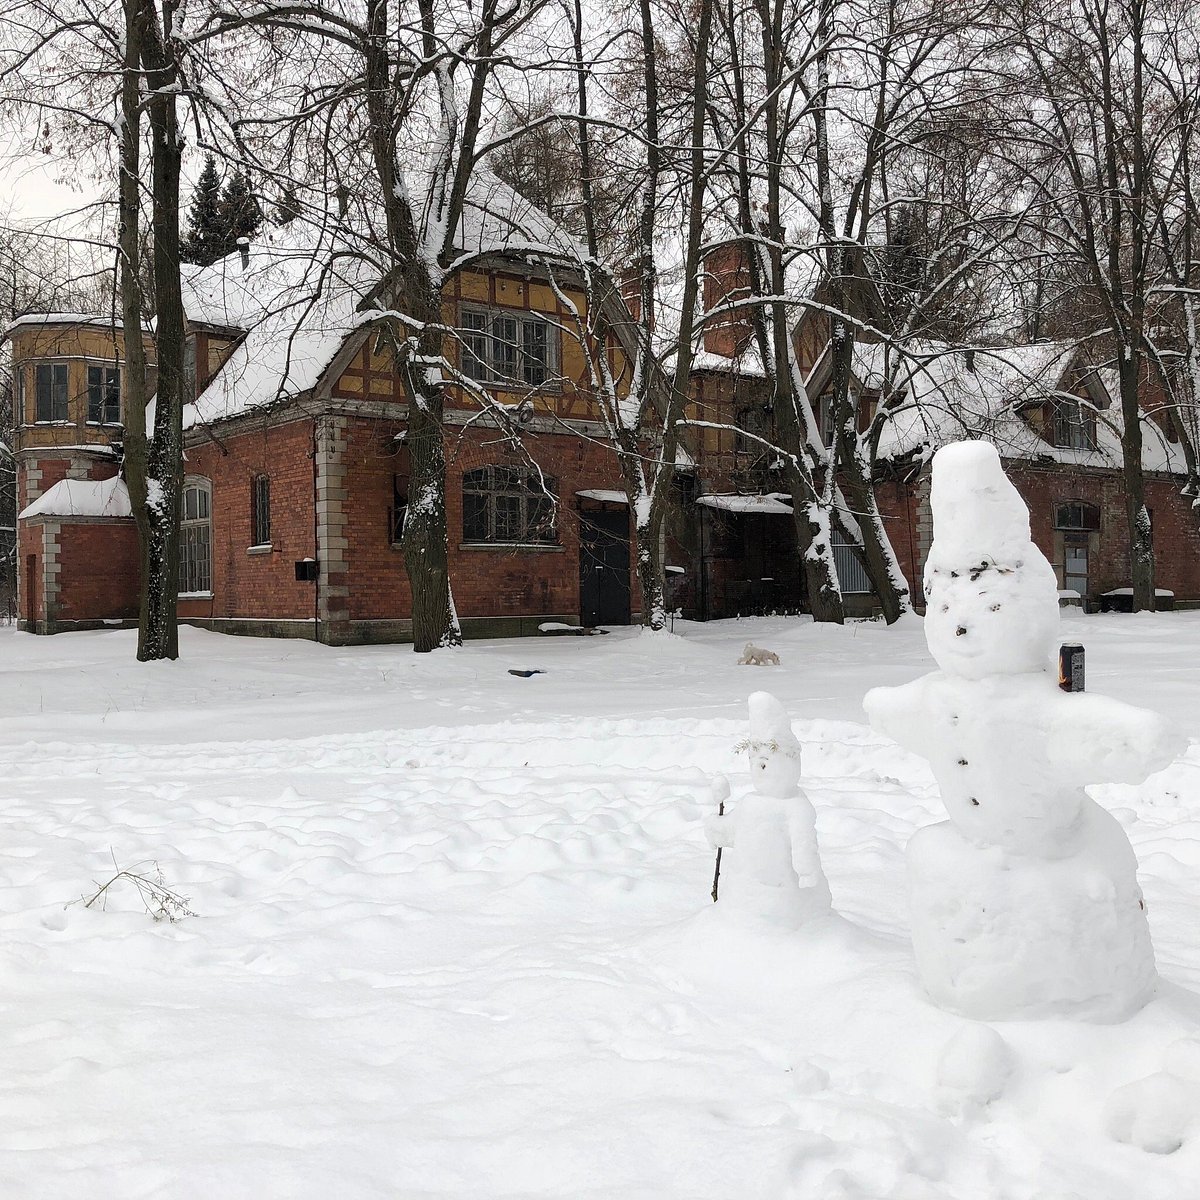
<point x="604" y="590"/>
<point x="1075" y="564"/>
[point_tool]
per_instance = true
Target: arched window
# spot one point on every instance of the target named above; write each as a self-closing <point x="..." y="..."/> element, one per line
<point x="195" y="538"/>
<point x="507" y="505"/>
<point x="1077" y="515"/>
<point x="260" y="510"/>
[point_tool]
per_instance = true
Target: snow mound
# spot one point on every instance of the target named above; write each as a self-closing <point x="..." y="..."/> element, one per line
<point x="82" y="498"/>
<point x="1157" y="1114"/>
<point x="975" y="1064"/>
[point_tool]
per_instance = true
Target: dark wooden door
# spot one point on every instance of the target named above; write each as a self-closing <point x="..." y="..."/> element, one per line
<point x="604" y="592"/>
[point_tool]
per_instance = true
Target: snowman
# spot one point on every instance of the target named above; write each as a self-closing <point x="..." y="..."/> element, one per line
<point x="772" y="870"/>
<point x="1026" y="902"/>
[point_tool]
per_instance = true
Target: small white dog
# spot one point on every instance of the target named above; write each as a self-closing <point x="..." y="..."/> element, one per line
<point x="756" y="656"/>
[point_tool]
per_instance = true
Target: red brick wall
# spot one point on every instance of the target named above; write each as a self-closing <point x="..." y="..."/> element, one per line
<point x="98" y="576"/>
<point x="258" y="585"/>
<point x="486" y="582"/>
<point x="31" y="600"/>
<point x="1176" y="540"/>
<point x="898" y="507"/>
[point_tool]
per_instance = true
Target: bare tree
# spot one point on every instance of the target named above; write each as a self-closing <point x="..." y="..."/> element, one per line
<point x="1098" y="136"/>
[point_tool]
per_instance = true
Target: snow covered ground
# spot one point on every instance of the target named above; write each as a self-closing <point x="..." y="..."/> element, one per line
<point x="454" y="936"/>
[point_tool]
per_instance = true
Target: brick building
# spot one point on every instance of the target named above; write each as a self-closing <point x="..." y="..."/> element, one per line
<point x="297" y="471"/>
<point x="1057" y="423"/>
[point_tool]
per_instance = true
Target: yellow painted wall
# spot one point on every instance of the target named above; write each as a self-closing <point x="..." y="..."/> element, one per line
<point x="79" y="346"/>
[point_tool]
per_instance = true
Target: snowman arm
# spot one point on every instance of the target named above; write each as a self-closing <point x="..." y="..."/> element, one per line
<point x="899" y="713"/>
<point x="1108" y="741"/>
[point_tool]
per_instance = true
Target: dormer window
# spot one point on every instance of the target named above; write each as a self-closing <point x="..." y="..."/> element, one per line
<point x="51" y="393"/>
<point x="104" y="395"/>
<point x="507" y="349"/>
<point x="1074" y="424"/>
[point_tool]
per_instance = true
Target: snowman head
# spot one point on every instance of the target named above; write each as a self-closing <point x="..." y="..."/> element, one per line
<point x="991" y="597"/>
<point x="772" y="747"/>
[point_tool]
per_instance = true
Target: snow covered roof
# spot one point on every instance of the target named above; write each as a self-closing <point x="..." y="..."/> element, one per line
<point x="82" y="498"/>
<point x="43" y="320"/>
<point x="304" y="292"/>
<point x="948" y="399"/>
<point x="747" y="504"/>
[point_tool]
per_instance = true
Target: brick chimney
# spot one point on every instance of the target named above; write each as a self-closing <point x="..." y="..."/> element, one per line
<point x="726" y="279"/>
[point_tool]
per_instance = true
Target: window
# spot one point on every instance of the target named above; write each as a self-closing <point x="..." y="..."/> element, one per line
<point x="507" y="505"/>
<point x="398" y="510"/>
<point x="1075" y="514"/>
<point x="1074" y="425"/>
<point x="751" y="420"/>
<point x="51" y="381"/>
<point x="825" y="417"/>
<point x="852" y="577"/>
<point x="260" y="511"/>
<point x="104" y="395"/>
<point x="500" y="346"/>
<point x="195" y="538"/>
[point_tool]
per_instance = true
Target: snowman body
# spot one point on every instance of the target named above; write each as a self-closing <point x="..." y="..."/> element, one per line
<point x="772" y="870"/>
<point x="1026" y="901"/>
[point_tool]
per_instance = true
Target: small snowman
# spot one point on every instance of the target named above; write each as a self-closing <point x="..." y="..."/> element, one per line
<point x="773" y="868"/>
<point x="1026" y="902"/>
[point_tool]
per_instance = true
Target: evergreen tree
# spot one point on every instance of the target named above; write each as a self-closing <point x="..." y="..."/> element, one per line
<point x="240" y="212"/>
<point x="205" y="235"/>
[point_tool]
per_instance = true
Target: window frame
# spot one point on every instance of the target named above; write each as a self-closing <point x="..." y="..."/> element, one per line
<point x="193" y="531"/>
<point x="1087" y="513"/>
<point x="260" y="511"/>
<point x="506" y="361"/>
<point x="508" y="506"/>
<point x="52" y="365"/>
<point x="109" y="369"/>
<point x="1074" y="424"/>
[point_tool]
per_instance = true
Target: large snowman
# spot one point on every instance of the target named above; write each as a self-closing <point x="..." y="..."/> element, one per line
<point x="772" y="870"/>
<point x="1026" y="902"/>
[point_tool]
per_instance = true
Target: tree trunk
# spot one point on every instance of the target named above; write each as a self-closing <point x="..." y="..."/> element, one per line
<point x="1137" y="517"/>
<point x="858" y="487"/>
<point x="153" y="465"/>
<point x="425" y="538"/>
<point x="158" y="626"/>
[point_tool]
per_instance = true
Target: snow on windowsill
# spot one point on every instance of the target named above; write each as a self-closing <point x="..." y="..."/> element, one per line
<point x="262" y="548"/>
<point x="1128" y="591"/>
<point x="194" y="596"/>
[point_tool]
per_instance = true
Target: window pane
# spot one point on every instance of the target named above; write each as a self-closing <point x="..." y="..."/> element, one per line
<point x="535" y="346"/>
<point x="509" y="526"/>
<point x="475" y="517"/>
<point x="504" y="347"/>
<point x="60" y="392"/>
<point x="95" y="378"/>
<point x="260" y="494"/>
<point x="474" y="344"/>
<point x="44" y="405"/>
<point x="112" y="395"/>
